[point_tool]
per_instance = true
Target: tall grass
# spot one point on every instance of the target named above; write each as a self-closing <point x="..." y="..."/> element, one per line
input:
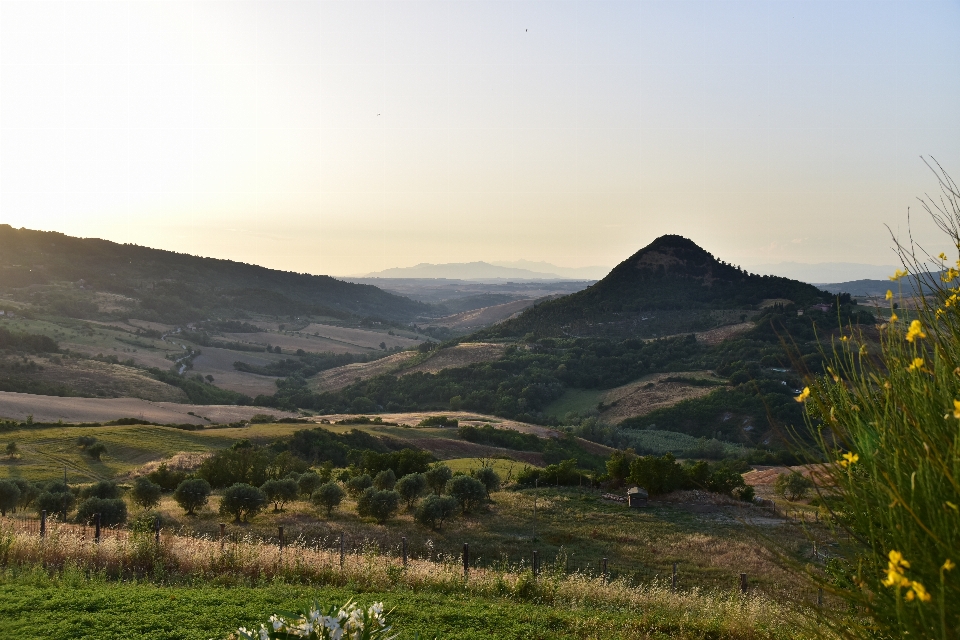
<point x="889" y="418"/>
<point x="710" y="613"/>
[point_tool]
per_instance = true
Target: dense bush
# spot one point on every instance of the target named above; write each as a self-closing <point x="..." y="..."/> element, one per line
<point x="56" y="500"/>
<point x="192" y="494"/>
<point x="113" y="511"/>
<point x="105" y="489"/>
<point x="242" y="463"/>
<point x="167" y="478"/>
<point x="242" y="501"/>
<point x="380" y="505"/>
<point x="433" y="510"/>
<point x="96" y="450"/>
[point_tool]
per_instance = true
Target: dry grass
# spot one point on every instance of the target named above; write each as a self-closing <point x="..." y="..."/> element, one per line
<point x="483" y="317"/>
<point x="649" y="394"/>
<point x="245" y="560"/>
<point x="461" y="355"/>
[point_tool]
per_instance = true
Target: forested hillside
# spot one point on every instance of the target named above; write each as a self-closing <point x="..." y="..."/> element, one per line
<point x="174" y="287"/>
<point x="670" y="286"/>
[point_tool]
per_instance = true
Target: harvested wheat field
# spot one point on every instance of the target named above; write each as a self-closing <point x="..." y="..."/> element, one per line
<point x="483" y="317"/>
<point x="17" y="406"/>
<point x="650" y="393"/>
<point x="461" y="355"/>
<point x="718" y="335"/>
<point x="340" y="377"/>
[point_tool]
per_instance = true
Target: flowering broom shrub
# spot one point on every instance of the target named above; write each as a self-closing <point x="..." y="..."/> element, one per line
<point x="888" y="420"/>
<point x="349" y="622"/>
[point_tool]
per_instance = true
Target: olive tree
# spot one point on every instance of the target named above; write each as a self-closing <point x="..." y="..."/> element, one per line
<point x="411" y="487"/>
<point x="145" y="493"/>
<point x="242" y="501"/>
<point x="192" y="494"/>
<point x="328" y="496"/>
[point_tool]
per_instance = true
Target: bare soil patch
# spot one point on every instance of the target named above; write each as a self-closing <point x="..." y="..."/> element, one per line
<point x="650" y="393"/>
<point x="18" y="406"/>
<point x="718" y="335"/>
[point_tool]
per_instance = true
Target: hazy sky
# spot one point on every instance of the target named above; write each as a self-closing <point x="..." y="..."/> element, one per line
<point x="347" y="137"/>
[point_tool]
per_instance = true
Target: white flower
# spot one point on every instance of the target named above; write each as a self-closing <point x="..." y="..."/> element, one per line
<point x="277" y="622"/>
<point x="264" y="634"/>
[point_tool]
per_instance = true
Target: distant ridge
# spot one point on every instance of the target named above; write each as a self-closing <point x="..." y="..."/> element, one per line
<point x="467" y="271"/>
<point x="670" y="286"/>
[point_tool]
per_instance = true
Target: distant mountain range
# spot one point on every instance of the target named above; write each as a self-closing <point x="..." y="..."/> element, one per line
<point x="670" y="286"/>
<point x="517" y="270"/>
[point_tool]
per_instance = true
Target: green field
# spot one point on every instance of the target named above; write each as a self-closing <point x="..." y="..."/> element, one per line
<point x="575" y="401"/>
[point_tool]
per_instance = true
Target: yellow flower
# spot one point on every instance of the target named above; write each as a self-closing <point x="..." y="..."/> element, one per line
<point x="956" y="409"/>
<point x="849" y="458"/>
<point x="915" y="331"/>
<point x="895" y="567"/>
<point x="803" y="395"/>
<point x="893" y="317"/>
<point x="948" y="565"/>
<point x="917" y="588"/>
<point x="889" y="294"/>
<point x="897" y="275"/>
<point x="916" y="364"/>
<point x="943" y="256"/>
<point x="950" y="275"/>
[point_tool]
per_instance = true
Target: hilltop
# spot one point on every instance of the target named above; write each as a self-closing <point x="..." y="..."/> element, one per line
<point x="670" y="286"/>
<point x="93" y="278"/>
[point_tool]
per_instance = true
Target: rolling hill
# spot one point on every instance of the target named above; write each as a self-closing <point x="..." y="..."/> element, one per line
<point x="92" y="278"/>
<point x="670" y="286"/>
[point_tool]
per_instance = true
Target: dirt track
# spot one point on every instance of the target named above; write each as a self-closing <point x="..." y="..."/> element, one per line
<point x="18" y="406"/>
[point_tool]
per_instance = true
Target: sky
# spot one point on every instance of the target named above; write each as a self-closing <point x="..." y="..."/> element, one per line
<point x="350" y="137"/>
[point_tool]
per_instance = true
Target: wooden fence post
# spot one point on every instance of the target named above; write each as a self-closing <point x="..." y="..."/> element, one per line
<point x="96" y="530"/>
<point x="43" y="523"/>
<point x="404" y="545"/>
<point x="673" y="584"/>
<point x="466" y="560"/>
<point x="604" y="572"/>
<point x="743" y="583"/>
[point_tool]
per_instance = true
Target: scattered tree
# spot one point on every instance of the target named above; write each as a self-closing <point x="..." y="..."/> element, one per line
<point x="489" y="478"/>
<point x="95" y="451"/>
<point x="467" y="491"/>
<point x="167" y="478"/>
<point x="28" y="492"/>
<point x="242" y="501"/>
<point x="280" y="492"/>
<point x="9" y="496"/>
<point x="308" y="483"/>
<point x="437" y="477"/>
<point x="192" y="494"/>
<point x="329" y="496"/>
<point x="145" y="494"/>
<point x="385" y="480"/>
<point x="85" y="441"/>
<point x="793" y="486"/>
<point x="433" y="510"/>
<point x="56" y="499"/>
<point x="12" y="450"/>
<point x="411" y="487"/>
<point x="105" y="490"/>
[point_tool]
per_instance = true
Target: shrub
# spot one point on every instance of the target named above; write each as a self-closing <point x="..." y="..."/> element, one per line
<point x="380" y="505"/>
<point x="437" y="477"/>
<point x="113" y="511"/>
<point x="242" y="463"/>
<point x="385" y="480"/>
<point x="308" y="483"/>
<point x="85" y="441"/>
<point x="356" y="486"/>
<point x="242" y="501"/>
<point x="12" y="450"/>
<point x="192" y="494"/>
<point x="328" y="496"/>
<point x="792" y="485"/>
<point x="96" y="451"/>
<point x="488" y="478"/>
<point x="467" y="491"/>
<point x="9" y="496"/>
<point x="411" y="487"/>
<point x="438" y="421"/>
<point x="145" y="493"/>
<point x="280" y="492"/>
<point x="433" y="510"/>
<point x="167" y="478"/>
<point x="657" y="475"/>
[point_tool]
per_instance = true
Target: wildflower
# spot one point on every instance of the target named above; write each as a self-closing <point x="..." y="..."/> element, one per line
<point x="863" y="350"/>
<point x="948" y="565"/>
<point x="893" y="317"/>
<point x="803" y="395"/>
<point x="898" y="274"/>
<point x="942" y="256"/>
<point x="916" y="364"/>
<point x="849" y="458"/>
<point x="956" y="409"/>
<point x="889" y="294"/>
<point x="917" y="589"/>
<point x="895" y="567"/>
<point x="950" y="275"/>
<point x="915" y="331"/>
<point x="844" y="338"/>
